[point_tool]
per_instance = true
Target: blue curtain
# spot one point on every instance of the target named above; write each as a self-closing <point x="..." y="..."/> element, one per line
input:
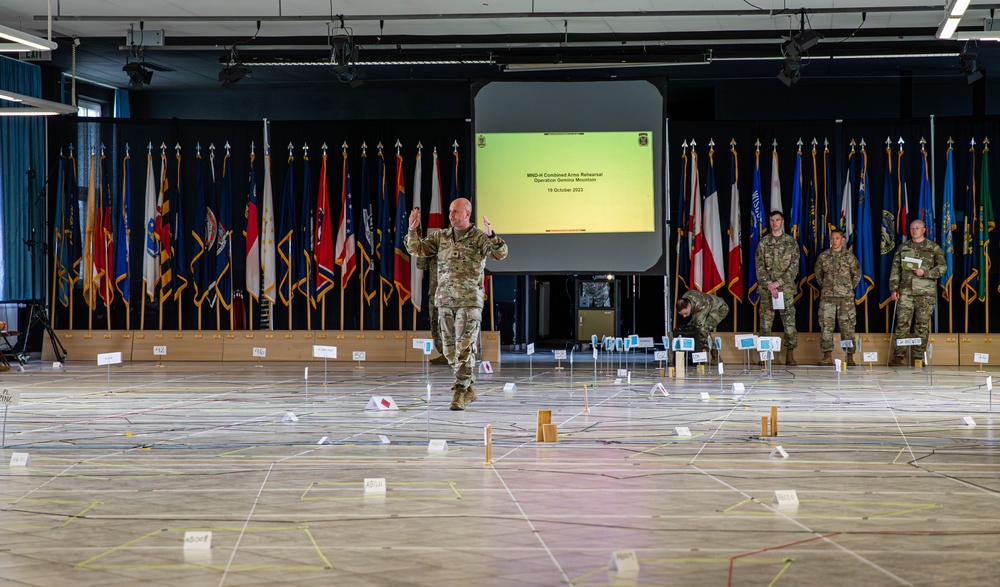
<point x="22" y="147"/>
<point x="121" y="104"/>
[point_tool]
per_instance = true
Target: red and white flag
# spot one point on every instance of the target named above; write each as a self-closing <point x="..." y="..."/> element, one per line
<point x="735" y="275"/>
<point x="416" y="274"/>
<point x="696" y="239"/>
<point x="713" y="272"/>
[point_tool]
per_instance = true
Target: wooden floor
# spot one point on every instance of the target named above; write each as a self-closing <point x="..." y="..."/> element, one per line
<point x="893" y="486"/>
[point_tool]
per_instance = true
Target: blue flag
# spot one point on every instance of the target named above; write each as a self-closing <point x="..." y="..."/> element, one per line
<point x="925" y="201"/>
<point x="814" y="227"/>
<point x="67" y="235"/>
<point x="948" y="225"/>
<point x="366" y="236"/>
<point x="863" y="246"/>
<point x="286" y="237"/>
<point x="888" y="237"/>
<point x="683" y="255"/>
<point x="200" y="235"/>
<point x="798" y="219"/>
<point x="182" y="271"/>
<point x="756" y="229"/>
<point x="122" y="234"/>
<point x="224" y="238"/>
<point x="386" y="245"/>
<point x="304" y="238"/>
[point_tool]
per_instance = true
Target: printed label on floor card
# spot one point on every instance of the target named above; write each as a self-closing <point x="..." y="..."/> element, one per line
<point x="375" y="486"/>
<point x="437" y="445"/>
<point x="259" y="352"/>
<point x="657" y="355"/>
<point x="624" y="562"/>
<point x="785" y="498"/>
<point x="197" y="540"/>
<point x="324" y="352"/>
<point x="981" y="358"/>
<point x="109" y="358"/>
<point x="358" y="356"/>
<point x="682" y="431"/>
<point x="20" y="459"/>
<point x="10" y="397"/>
<point x="870" y="357"/>
<point x="160" y="350"/>
<point x="560" y="355"/>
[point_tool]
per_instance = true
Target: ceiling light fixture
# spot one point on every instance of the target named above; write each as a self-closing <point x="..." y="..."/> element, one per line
<point x="22" y="41"/>
<point x="29" y="106"/>
<point x="137" y="74"/>
<point x="233" y="70"/>
<point x="959" y="7"/>
<point x="968" y="64"/>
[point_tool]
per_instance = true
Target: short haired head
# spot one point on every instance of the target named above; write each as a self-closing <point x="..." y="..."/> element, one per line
<point x="837" y="231"/>
<point x="776" y="213"/>
<point x="683" y="307"/>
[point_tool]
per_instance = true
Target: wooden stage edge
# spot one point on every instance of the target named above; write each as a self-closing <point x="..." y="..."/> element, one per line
<point x="239" y="345"/>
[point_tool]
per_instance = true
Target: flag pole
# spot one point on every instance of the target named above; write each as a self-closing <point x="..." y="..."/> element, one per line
<point x="492" y="307"/>
<point x="677" y="275"/>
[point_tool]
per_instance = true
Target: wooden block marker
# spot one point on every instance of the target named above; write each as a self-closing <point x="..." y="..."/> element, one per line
<point x="488" y="440"/>
<point x="774" y="420"/>
<point x="544" y="417"/>
<point x="764" y="428"/>
<point x="550" y="433"/>
<point x="586" y="404"/>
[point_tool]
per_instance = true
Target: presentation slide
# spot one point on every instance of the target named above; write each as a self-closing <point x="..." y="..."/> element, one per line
<point x="566" y="182"/>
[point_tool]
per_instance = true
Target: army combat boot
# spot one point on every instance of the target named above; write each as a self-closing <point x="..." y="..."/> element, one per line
<point x="790" y="358"/>
<point x="850" y="360"/>
<point x="827" y="359"/>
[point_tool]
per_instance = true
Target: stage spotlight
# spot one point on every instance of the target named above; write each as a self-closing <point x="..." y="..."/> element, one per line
<point x="233" y="73"/>
<point x="791" y="71"/>
<point x="968" y="64"/>
<point x="802" y="42"/>
<point x="137" y="74"/>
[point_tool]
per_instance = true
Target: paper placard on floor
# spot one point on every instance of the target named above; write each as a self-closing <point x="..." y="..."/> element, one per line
<point x="428" y="347"/>
<point x="722" y="369"/>
<point x="768" y="343"/>
<point x="109" y="358"/>
<point x="198" y="540"/>
<point x="624" y="562"/>
<point x="659" y="355"/>
<point x="57" y="365"/>
<point x="739" y="387"/>
<point x="531" y="348"/>
<point x="160" y="350"/>
<point x="766" y="355"/>
<point x="418" y="343"/>
<point x="836" y="365"/>
<point x="785" y="498"/>
<point x="594" y="349"/>
<point x="358" y="356"/>
<point x="10" y="397"/>
<point x="981" y="358"/>
<point x="437" y="445"/>
<point x="509" y="387"/>
<point x="682" y="431"/>
<point x="290" y="417"/>
<point x="645" y="342"/>
<point x="20" y="459"/>
<point x="622" y="372"/>
<point x="375" y="485"/>
<point x="306" y="374"/>
<point x="847" y="344"/>
<point x="618" y="381"/>
<point x="967" y="421"/>
<point x="870" y="357"/>
<point x="780" y="452"/>
<point x="485" y="367"/>
<point x="699" y="357"/>
<point x="381" y="402"/>
<point x="683" y="344"/>
<point x="560" y="355"/>
<point x="383" y="439"/>
<point x="989" y="383"/>
<point x="259" y="352"/>
<point x="324" y="352"/>
<point x="907" y="341"/>
<point x="704" y="396"/>
<point x="323" y="440"/>
<point x="746" y="342"/>
<point x="658" y="389"/>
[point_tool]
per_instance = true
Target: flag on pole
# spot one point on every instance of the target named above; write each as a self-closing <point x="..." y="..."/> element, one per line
<point x="122" y="234"/>
<point x="151" y="250"/>
<point x="455" y="192"/>
<point x="165" y="246"/>
<point x="104" y="248"/>
<point x="735" y="274"/>
<point x="813" y="226"/>
<point x="970" y="286"/>
<point x="435" y="221"/>
<point x="251" y="231"/>
<point x="948" y="224"/>
<point x="386" y="244"/>
<point x="345" y="228"/>
<point x="90" y="227"/>
<point x="401" y="258"/>
<point x="888" y="238"/>
<point x="798" y="220"/>
<point x="847" y="203"/>
<point x="304" y="239"/>
<point x="903" y="201"/>
<point x="181" y="271"/>
<point x="416" y="273"/>
<point x="925" y="201"/>
<point x="756" y="227"/>
<point x="863" y="242"/>
<point x="366" y="236"/>
<point x="203" y="234"/>
<point x="224" y="238"/>
<point x="985" y="221"/>
<point x="286" y="235"/>
<point x="64" y="224"/>
<point x="683" y="248"/>
<point x="713" y="273"/>
<point x="775" y="182"/>
<point x="323" y="238"/>
<point x="829" y="196"/>
<point x="696" y="238"/>
<point x="268" y="255"/>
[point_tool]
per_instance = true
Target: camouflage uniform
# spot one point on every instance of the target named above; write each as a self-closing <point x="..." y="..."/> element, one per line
<point x="461" y="259"/>
<point x="429" y="265"/>
<point x="837" y="273"/>
<point x="706" y="313"/>
<point x="916" y="294"/>
<point x="778" y="260"/>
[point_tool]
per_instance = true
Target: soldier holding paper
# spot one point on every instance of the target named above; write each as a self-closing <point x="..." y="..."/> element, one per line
<point x="915" y="287"/>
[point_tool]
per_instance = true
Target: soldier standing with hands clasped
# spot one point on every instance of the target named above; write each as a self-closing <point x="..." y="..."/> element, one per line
<point x="837" y="274"/>
<point x="916" y="267"/>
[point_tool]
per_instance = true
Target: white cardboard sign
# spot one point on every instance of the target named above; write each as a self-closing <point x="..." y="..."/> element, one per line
<point x="560" y="355"/>
<point x="785" y="498"/>
<point x="847" y="344"/>
<point x="531" y="348"/>
<point x="381" y="402"/>
<point x="746" y="342"/>
<point x="259" y="352"/>
<point x="20" y="459"/>
<point x="375" y="486"/>
<point x="699" y="357"/>
<point x="418" y="343"/>
<point x="509" y="387"/>
<point x="624" y="562"/>
<point x="779" y="451"/>
<point x="907" y="341"/>
<point x="981" y="358"/>
<point x="485" y="367"/>
<point x="437" y="445"/>
<point x="10" y="397"/>
<point x="739" y="387"/>
<point x="658" y="388"/>
<point x="197" y="540"/>
<point x="358" y="356"/>
<point x="682" y="431"/>
<point x="870" y="357"/>
<point x="659" y="355"/>
<point x="160" y="350"/>
<point x="324" y="352"/>
<point x="109" y="358"/>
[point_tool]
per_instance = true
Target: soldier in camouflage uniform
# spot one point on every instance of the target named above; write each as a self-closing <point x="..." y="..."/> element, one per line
<point x="916" y="289"/>
<point x="777" y="268"/>
<point x="429" y="265"/>
<point x="705" y="312"/>
<point x="837" y="273"/>
<point x="461" y="253"/>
